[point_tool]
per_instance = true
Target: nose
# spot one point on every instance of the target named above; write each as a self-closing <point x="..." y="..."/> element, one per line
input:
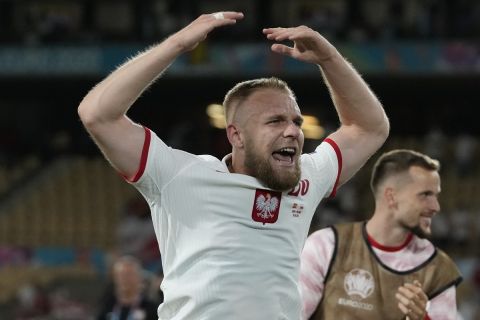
<point x="435" y="205"/>
<point x="292" y="130"/>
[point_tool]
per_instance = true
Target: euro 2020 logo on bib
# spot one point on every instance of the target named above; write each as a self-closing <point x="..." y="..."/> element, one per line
<point x="359" y="282"/>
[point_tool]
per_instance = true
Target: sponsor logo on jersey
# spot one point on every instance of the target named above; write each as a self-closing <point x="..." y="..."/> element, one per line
<point x="358" y="284"/>
<point x="266" y="206"/>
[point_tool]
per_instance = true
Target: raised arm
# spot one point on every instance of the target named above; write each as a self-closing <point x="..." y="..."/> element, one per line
<point x="364" y="124"/>
<point x="103" y="110"/>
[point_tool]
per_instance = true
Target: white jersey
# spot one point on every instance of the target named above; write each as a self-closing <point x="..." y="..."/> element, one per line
<point x="230" y="246"/>
<point x="318" y="253"/>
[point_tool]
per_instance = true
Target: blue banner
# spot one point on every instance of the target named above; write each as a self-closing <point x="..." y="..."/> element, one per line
<point x="245" y="59"/>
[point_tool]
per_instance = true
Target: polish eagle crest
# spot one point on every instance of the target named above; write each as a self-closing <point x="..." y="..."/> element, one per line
<point x="266" y="205"/>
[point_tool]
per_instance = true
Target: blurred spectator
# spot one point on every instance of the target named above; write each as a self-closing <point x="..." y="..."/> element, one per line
<point x="126" y="298"/>
<point x="465" y="146"/>
<point x="348" y="200"/>
<point x="461" y="223"/>
<point x="441" y="230"/>
<point x="136" y="235"/>
<point x="469" y="307"/>
<point x="66" y="307"/>
<point x="435" y="142"/>
<point x="52" y="21"/>
<point x="33" y="302"/>
<point x="326" y="17"/>
<point x="15" y="256"/>
<point x="154" y="291"/>
<point x="326" y="214"/>
<point x="48" y="22"/>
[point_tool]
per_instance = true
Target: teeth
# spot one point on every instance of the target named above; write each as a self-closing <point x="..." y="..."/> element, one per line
<point x="289" y="150"/>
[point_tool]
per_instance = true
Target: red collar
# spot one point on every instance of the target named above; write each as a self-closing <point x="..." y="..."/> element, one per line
<point x="377" y="245"/>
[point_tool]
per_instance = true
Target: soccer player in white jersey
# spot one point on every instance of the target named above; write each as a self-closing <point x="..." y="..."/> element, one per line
<point x="384" y="268"/>
<point x="231" y="231"/>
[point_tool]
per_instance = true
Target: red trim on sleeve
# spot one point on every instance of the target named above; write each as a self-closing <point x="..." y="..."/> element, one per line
<point x="143" y="158"/>
<point x="377" y="245"/>
<point x="427" y="317"/>
<point x="339" y="158"/>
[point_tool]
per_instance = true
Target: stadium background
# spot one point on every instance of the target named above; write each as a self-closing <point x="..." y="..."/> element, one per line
<point x="65" y="215"/>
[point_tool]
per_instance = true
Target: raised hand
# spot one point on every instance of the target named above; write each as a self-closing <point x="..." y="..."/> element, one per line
<point x="308" y="45"/>
<point x="412" y="301"/>
<point x="190" y="36"/>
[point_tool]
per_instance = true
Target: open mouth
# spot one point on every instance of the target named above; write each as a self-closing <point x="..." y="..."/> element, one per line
<point x="425" y="221"/>
<point x="285" y="155"/>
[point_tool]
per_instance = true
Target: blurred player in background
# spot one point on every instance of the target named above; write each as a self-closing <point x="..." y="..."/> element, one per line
<point x="127" y="299"/>
<point x="231" y="231"/>
<point x="384" y="268"/>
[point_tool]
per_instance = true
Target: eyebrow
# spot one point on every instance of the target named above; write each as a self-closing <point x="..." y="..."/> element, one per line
<point x="283" y="117"/>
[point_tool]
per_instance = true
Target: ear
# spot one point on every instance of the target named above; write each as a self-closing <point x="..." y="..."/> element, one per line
<point x="234" y="136"/>
<point x="389" y="196"/>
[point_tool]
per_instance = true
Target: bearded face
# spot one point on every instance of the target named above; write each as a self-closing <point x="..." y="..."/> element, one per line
<point x="420" y="232"/>
<point x="419" y="201"/>
<point x="269" y="139"/>
<point x="275" y="177"/>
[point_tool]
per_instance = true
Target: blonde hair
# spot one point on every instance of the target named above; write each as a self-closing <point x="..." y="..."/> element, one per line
<point x="243" y="90"/>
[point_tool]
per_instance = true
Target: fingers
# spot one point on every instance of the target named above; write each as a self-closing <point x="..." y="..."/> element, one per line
<point x="417" y="283"/>
<point x="190" y="36"/>
<point x="408" y="305"/>
<point x="416" y="289"/>
<point x="277" y="34"/>
<point x="292" y="34"/>
<point x="412" y="301"/>
<point x="219" y="15"/>
<point x="281" y="34"/>
<point x="308" y="45"/>
<point x="283" y="49"/>
<point x="226" y="17"/>
<point x="217" y="19"/>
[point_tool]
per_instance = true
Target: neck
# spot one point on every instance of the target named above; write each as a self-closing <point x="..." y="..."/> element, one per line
<point x="385" y="232"/>
<point x="230" y="165"/>
<point x="235" y="164"/>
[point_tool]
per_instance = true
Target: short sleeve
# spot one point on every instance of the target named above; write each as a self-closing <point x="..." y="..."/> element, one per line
<point x="159" y="165"/>
<point x="327" y="164"/>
